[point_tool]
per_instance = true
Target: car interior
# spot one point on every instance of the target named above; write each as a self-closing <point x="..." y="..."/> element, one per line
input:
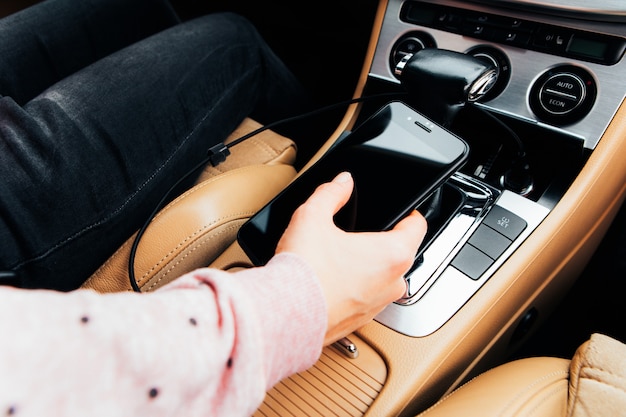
<point x="525" y="257"/>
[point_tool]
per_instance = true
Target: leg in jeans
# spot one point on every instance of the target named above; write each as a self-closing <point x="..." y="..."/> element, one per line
<point x="55" y="38"/>
<point x="85" y="161"/>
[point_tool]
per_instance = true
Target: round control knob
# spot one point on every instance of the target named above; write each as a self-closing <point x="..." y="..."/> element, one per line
<point x="409" y="44"/>
<point x="497" y="59"/>
<point x="563" y="95"/>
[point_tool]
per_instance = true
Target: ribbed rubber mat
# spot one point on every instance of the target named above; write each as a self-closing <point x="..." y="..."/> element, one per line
<point x="335" y="386"/>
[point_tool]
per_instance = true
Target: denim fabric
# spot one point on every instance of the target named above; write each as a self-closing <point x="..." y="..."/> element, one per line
<point x="105" y="104"/>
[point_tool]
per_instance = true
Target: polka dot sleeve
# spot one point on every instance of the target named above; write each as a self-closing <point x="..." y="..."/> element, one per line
<point x="211" y="343"/>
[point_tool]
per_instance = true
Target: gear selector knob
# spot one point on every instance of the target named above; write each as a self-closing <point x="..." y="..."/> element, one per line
<point x="441" y="82"/>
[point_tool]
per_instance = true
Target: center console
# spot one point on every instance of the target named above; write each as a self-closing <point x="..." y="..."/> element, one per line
<point x="559" y="85"/>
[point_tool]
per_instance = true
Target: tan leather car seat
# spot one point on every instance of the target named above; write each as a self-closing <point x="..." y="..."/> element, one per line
<point x="593" y="383"/>
<point x="195" y="228"/>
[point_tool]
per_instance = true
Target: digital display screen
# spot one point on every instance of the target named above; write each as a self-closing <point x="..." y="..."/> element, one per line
<point x="419" y="14"/>
<point x="587" y="47"/>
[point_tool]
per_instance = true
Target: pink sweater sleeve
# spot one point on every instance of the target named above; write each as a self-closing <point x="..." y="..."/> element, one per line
<point x="209" y="344"/>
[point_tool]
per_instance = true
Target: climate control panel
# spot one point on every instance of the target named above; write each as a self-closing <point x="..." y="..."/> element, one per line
<point x="562" y="74"/>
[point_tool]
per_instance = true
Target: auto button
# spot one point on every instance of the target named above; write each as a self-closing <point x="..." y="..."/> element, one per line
<point x="562" y="93"/>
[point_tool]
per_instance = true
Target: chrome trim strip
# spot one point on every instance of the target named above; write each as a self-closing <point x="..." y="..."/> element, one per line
<point x="598" y="10"/>
<point x="478" y="198"/>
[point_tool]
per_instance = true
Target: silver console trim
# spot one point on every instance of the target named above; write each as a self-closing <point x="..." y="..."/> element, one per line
<point x="599" y="10"/>
<point x="445" y="289"/>
<point x="526" y="67"/>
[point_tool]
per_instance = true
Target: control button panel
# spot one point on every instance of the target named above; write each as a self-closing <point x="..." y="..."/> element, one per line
<point x="496" y="233"/>
<point x="556" y="40"/>
<point x="563" y="95"/>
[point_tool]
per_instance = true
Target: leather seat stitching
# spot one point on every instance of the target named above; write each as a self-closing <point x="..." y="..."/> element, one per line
<point x="199" y="231"/>
<point x="200" y="186"/>
<point x="190" y="251"/>
<point x="266" y="147"/>
<point x="604" y="371"/>
<point x="544" y="397"/>
<point x="535" y="383"/>
<point x="465" y="387"/>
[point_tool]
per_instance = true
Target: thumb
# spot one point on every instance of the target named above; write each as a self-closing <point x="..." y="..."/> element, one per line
<point x="331" y="196"/>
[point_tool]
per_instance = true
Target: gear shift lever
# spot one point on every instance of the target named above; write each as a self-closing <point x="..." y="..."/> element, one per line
<point x="441" y="82"/>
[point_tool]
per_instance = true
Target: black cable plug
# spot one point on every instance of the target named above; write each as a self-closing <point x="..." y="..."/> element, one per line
<point x="218" y="154"/>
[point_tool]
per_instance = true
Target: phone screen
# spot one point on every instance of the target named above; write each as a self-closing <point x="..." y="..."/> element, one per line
<point x="397" y="158"/>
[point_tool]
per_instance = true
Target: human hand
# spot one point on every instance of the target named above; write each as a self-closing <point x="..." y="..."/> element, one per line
<point x="360" y="272"/>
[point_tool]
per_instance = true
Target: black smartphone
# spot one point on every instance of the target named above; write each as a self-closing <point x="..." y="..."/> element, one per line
<point x="397" y="158"/>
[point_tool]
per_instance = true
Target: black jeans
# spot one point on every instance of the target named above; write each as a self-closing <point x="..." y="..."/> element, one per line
<point x="104" y="105"/>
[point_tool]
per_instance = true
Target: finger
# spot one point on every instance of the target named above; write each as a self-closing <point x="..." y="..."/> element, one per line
<point x="414" y="224"/>
<point x="331" y="196"/>
<point x="401" y="288"/>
